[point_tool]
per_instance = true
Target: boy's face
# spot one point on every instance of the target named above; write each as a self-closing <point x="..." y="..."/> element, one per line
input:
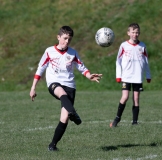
<point x="64" y="40"/>
<point x="133" y="34"/>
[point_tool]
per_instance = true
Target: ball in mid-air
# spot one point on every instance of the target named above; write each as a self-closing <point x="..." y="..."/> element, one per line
<point x="104" y="37"/>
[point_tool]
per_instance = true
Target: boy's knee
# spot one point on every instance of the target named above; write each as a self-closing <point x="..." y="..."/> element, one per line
<point x="124" y="99"/>
<point x="64" y="119"/>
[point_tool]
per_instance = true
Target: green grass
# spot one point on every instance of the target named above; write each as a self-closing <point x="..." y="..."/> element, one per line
<point x="29" y="27"/>
<point x="27" y="128"/>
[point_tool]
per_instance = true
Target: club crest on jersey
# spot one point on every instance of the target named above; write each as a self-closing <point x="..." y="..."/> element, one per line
<point x="124" y="85"/>
<point x="68" y="58"/>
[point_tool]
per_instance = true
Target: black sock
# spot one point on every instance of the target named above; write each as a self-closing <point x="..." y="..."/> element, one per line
<point x="59" y="131"/>
<point x="66" y="103"/>
<point x="135" y="111"/>
<point x="120" y="111"/>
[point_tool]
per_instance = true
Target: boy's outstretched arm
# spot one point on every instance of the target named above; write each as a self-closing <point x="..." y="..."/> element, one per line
<point x="94" y="77"/>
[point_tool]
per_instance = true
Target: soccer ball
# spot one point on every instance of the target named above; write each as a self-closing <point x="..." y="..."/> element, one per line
<point x="104" y="37"/>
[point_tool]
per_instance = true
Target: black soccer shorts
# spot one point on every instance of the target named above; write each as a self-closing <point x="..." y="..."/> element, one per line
<point x="70" y="91"/>
<point x="138" y="87"/>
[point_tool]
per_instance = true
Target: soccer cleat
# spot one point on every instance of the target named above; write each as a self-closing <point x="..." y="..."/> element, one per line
<point x="52" y="148"/>
<point x="115" y="122"/>
<point x="73" y="116"/>
<point x="134" y="123"/>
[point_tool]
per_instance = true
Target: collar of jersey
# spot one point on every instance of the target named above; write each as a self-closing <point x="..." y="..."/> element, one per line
<point x="134" y="44"/>
<point x="61" y="52"/>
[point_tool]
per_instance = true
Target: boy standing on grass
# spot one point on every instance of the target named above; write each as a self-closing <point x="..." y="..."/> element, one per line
<point x="59" y="62"/>
<point x="131" y="64"/>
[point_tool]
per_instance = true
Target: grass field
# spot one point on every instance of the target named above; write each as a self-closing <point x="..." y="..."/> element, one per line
<point x="27" y="128"/>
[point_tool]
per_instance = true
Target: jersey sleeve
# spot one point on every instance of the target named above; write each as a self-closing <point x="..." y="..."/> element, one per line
<point x="80" y="65"/>
<point x="147" y="69"/>
<point x="118" y="62"/>
<point x="42" y="65"/>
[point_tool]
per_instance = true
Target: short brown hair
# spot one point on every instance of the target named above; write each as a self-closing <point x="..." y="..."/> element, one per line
<point x="134" y="26"/>
<point x="66" y="30"/>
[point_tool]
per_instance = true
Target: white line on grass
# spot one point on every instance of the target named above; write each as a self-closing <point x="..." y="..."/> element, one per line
<point x="39" y="128"/>
<point x="142" y="158"/>
<point x="106" y="121"/>
<point x="124" y="121"/>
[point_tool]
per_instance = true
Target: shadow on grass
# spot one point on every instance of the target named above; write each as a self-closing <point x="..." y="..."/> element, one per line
<point x="109" y="148"/>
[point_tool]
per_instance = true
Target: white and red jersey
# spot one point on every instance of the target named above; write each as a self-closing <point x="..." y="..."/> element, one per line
<point x="132" y="62"/>
<point x="60" y="66"/>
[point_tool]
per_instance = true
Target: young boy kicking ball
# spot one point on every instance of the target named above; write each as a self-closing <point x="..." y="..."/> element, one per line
<point x="59" y="62"/>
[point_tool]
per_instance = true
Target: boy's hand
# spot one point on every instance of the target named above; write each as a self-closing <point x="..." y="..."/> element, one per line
<point x="32" y="94"/>
<point x="148" y="80"/>
<point x="95" y="77"/>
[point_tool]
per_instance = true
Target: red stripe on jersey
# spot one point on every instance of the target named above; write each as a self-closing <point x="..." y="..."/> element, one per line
<point x="77" y="60"/>
<point x="121" y="52"/>
<point x="144" y="53"/>
<point x="37" y="77"/>
<point x="47" y="60"/>
<point x="86" y="72"/>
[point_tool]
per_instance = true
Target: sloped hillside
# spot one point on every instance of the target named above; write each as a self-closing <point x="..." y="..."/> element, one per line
<point x="28" y="27"/>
